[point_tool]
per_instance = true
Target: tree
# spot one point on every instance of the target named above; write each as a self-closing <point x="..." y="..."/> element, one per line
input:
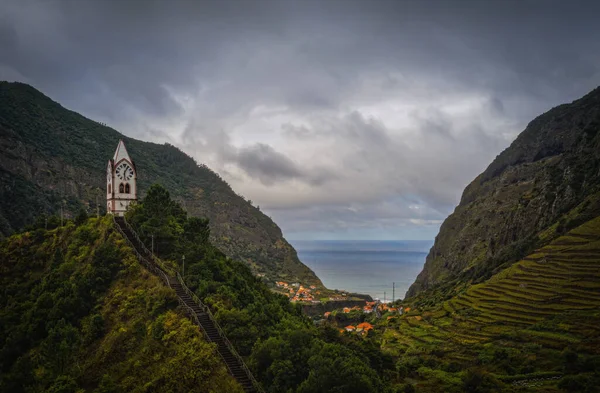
<point x="479" y="381"/>
<point x="336" y="369"/>
<point x="82" y="217"/>
<point x="158" y="216"/>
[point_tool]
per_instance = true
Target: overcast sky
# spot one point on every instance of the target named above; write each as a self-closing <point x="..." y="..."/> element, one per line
<point x="342" y="119"/>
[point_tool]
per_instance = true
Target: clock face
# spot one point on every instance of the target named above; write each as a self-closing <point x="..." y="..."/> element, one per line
<point x="124" y="172"/>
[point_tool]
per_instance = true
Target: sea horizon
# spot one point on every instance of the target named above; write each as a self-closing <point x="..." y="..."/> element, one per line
<point x="365" y="266"/>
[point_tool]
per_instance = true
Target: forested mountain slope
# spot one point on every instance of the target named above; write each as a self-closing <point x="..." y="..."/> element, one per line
<point x="51" y="156"/>
<point x="79" y="313"/>
<point x="541" y="186"/>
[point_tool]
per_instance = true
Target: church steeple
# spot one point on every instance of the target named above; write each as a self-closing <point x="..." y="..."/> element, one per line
<point x="121" y="186"/>
<point x="121" y="152"/>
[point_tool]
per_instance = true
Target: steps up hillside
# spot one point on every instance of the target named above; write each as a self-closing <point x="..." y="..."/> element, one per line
<point x="198" y="312"/>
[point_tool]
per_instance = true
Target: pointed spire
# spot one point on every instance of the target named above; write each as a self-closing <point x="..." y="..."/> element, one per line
<point x="121" y="152"/>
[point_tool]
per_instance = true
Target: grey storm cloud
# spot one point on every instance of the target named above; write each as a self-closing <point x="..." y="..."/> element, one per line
<point x="335" y="116"/>
<point x="269" y="166"/>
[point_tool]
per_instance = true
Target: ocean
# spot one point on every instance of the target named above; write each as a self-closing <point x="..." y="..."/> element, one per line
<point x="368" y="267"/>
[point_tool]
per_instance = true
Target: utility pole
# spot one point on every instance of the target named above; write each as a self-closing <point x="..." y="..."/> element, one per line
<point x="384" y="297"/>
<point x="393" y="292"/>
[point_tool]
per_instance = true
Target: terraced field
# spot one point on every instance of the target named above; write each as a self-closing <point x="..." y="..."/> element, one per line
<point x="548" y="301"/>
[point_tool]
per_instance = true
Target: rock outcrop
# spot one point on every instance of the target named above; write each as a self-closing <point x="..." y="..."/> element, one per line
<point x="539" y="187"/>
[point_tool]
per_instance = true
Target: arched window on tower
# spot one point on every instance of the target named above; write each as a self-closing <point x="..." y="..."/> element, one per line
<point x="109" y="189"/>
<point x="127" y="189"/>
<point x="121" y="188"/>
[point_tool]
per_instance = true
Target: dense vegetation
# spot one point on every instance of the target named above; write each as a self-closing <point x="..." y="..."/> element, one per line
<point x="52" y="157"/>
<point x="284" y="349"/>
<point x="78" y="313"/>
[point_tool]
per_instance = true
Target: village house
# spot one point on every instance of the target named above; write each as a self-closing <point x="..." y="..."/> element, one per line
<point x="327" y="314"/>
<point x="350" y="328"/>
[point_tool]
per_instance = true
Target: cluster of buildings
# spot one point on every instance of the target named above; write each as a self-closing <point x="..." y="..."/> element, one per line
<point x="386" y="308"/>
<point x="341" y="296"/>
<point x="372" y="306"/>
<point x="369" y="307"/>
<point x="360" y="328"/>
<point x="298" y="293"/>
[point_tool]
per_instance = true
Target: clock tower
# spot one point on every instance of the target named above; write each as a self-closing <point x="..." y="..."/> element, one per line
<point x="121" y="187"/>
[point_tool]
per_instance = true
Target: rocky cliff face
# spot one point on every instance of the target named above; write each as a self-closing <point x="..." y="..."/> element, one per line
<point x="545" y="183"/>
<point x="51" y="156"/>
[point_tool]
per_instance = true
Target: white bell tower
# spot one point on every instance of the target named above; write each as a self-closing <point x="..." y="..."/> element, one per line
<point x="121" y="187"/>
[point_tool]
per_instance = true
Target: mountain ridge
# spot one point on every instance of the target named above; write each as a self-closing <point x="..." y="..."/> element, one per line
<point x="549" y="170"/>
<point x="52" y="156"/>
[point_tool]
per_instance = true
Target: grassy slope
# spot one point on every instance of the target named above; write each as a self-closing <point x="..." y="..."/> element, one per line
<point x="57" y="154"/>
<point x="517" y="322"/>
<point x="67" y="326"/>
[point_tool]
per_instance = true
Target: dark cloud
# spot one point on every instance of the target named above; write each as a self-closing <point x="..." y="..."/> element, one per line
<point x="332" y="115"/>
<point x="263" y="162"/>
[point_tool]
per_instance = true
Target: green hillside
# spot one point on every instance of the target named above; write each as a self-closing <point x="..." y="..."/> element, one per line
<point x="78" y="310"/>
<point x="78" y="313"/>
<point x="533" y="327"/>
<point x="52" y="156"/>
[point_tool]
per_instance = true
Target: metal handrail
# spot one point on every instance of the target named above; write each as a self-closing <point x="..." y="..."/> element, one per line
<point x="230" y="346"/>
<point x="160" y="270"/>
<point x="141" y="258"/>
<point x="155" y="259"/>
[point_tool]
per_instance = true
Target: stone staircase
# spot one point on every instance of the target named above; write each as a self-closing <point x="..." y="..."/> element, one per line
<point x="196" y="310"/>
